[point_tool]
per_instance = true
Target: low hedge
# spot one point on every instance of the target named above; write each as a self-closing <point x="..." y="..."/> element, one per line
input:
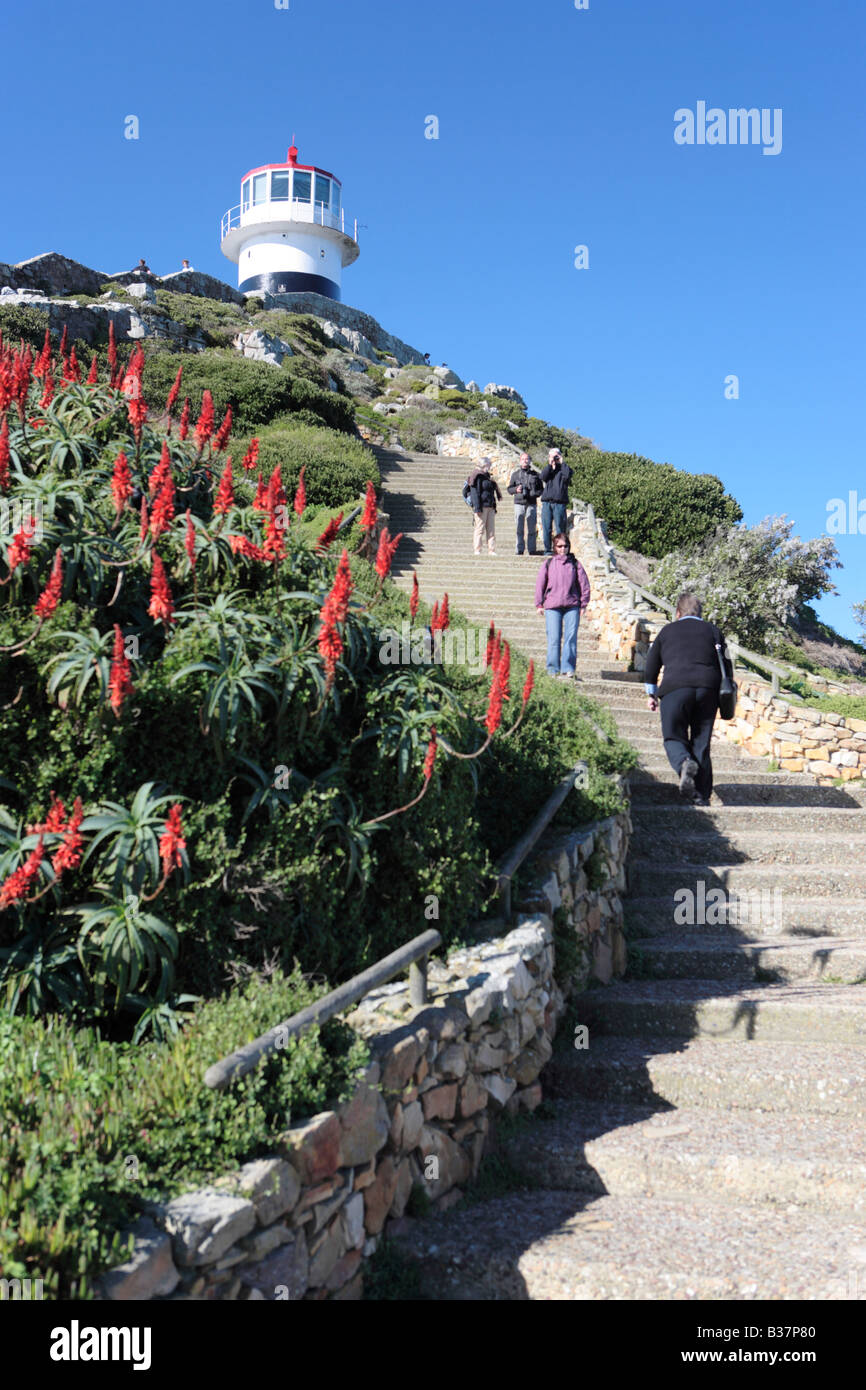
<point x="339" y="466"/>
<point x="91" y="1130"/>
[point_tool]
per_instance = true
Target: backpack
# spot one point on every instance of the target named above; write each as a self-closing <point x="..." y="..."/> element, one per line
<point x="467" y="493"/>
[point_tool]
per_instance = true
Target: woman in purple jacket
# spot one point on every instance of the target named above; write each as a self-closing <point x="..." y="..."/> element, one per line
<point x="561" y="594"/>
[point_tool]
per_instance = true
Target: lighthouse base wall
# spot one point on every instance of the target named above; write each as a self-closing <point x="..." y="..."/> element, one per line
<point x="290" y="282"/>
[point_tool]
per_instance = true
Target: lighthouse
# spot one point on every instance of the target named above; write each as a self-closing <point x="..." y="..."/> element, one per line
<point x="289" y="234"/>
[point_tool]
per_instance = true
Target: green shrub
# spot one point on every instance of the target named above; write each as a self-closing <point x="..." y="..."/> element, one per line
<point x="651" y="507"/>
<point x="120" y="290"/>
<point x="301" y="330"/>
<point x="418" y="430"/>
<point x="219" y="322"/>
<point x="75" y="1109"/>
<point x="257" y="391"/>
<point x="338" y="465"/>
<point x="19" y="321"/>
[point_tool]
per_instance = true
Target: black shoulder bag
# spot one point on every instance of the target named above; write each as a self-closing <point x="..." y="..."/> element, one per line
<point x="727" y="689"/>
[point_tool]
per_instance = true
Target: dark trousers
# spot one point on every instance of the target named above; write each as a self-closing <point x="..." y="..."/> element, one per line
<point x="553" y="518"/>
<point x="688" y="716"/>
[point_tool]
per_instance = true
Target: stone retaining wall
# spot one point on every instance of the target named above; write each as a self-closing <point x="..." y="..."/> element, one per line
<point x="300" y="1222"/>
<point x="463" y="444"/>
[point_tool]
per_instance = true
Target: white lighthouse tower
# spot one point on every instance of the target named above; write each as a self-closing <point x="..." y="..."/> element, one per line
<point x="289" y="232"/>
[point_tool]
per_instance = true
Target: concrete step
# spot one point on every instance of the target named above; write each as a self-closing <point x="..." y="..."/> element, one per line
<point x="780" y="1077"/>
<point x="735" y="847"/>
<point x="815" y="1162"/>
<point x="701" y="953"/>
<point x="740" y="789"/>
<point x="669" y="820"/>
<point x="830" y="881"/>
<point x="811" y="920"/>
<point x="805" y="1013"/>
<point x="569" y="1246"/>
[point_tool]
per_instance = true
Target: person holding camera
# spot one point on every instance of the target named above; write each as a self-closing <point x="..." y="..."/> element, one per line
<point x="554" y="497"/>
<point x="525" y="487"/>
<point x="688" y="694"/>
<point x="561" y="595"/>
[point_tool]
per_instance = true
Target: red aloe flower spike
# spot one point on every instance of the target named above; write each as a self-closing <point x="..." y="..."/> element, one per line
<point x="385" y="554"/>
<point x="173" y="394"/>
<point x="137" y="410"/>
<point x="72" y="371"/>
<point x="50" y="596"/>
<point x="16" y="886"/>
<point x="48" y="391"/>
<point x="494" y="707"/>
<point x="204" y="425"/>
<point x="251" y="457"/>
<point x="93" y="374"/>
<point x="430" y="759"/>
<point x="112" y="350"/>
<point x="275" y="544"/>
<point x="189" y="539"/>
<point x="121" y="482"/>
<point x="225" y="498"/>
<point x="184" y="419"/>
<point x="529" y="683"/>
<point x="242" y="545"/>
<point x="444" y="615"/>
<point x="68" y="855"/>
<point x="43" y="361"/>
<point x="491" y="644"/>
<point x="261" y="496"/>
<point x="64" y="337"/>
<point x="414" y="599"/>
<point x="161" y="607"/>
<point x="55" y="821"/>
<point x="434" y="616"/>
<point x="163" y="510"/>
<point x="161" y="473"/>
<point x="4" y="454"/>
<point x="301" y="494"/>
<point x="172" y="842"/>
<point x="19" y="551"/>
<point x="341" y="590"/>
<point x="120" y="680"/>
<point x="503" y="670"/>
<point x="330" y="532"/>
<point x="221" y="438"/>
<point x="368" y="520"/>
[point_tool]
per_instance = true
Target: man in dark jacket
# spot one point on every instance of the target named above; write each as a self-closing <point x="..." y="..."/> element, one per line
<point x="689" y="694"/>
<point x="554" y="499"/>
<point x="525" y="487"/>
<point x="482" y="490"/>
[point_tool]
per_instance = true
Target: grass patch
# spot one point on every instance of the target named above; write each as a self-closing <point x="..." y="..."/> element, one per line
<point x="391" y="1277"/>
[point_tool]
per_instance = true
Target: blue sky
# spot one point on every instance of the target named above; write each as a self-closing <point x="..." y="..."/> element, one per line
<point x="555" y="130"/>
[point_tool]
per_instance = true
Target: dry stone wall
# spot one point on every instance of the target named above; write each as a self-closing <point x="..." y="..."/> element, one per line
<point x="299" y="1223"/>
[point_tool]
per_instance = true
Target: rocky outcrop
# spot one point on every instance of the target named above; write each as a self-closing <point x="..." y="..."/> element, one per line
<point x="262" y="347"/>
<point x="507" y="393"/>
<point x="54" y="275"/>
<point x="342" y="316"/>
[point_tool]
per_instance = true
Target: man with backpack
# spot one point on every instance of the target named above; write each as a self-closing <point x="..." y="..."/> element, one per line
<point x="554" y="499"/>
<point x="481" y="491"/>
<point x="561" y="595"/>
<point x="525" y="487"/>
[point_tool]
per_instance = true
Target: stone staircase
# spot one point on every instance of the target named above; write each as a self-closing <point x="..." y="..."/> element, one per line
<point x="709" y="1142"/>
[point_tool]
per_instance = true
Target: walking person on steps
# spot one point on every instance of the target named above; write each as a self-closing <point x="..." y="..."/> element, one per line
<point x="689" y="694"/>
<point x="561" y="595"/>
<point x="526" y="487"/>
<point x="482" y="490"/>
<point x="554" y="498"/>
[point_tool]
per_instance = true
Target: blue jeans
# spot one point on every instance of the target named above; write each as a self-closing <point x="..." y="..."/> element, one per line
<point x="528" y="512"/>
<point x="562" y="625"/>
<point x="555" y="513"/>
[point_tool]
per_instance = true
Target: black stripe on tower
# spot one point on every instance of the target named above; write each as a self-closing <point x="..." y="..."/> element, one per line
<point x="291" y="282"/>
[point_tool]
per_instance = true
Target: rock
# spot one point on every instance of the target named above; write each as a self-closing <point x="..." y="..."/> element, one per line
<point x="452" y="1163"/>
<point x="448" y="378"/>
<point x="261" y="1243"/>
<point x="402" y="1189"/>
<point x="344" y="1270"/>
<point x="262" y="347"/>
<point x="442" y="1022"/>
<point x="197" y="282"/>
<point x="148" y="1273"/>
<point x="325" y="1210"/>
<point x="488" y="1058"/>
<point x="452" y="1062"/>
<point x="399" y="1053"/>
<point x="325" y="1251"/>
<point x="56" y="275"/>
<point x="286" y="1271"/>
<point x="365" y="1126"/>
<point x="500" y="1088"/>
<point x="353" y="1221"/>
<point x="473" y="1096"/>
<point x="473" y="387"/>
<point x="413" y="1121"/>
<point x="272" y="1186"/>
<point x="142" y="290"/>
<point x="378" y="1197"/>
<point x="440" y="1103"/>
<point x="507" y="393"/>
<point x="364" y="1176"/>
<point x="314" y="1148"/>
<point x="204" y="1224"/>
<point x="531" y="1060"/>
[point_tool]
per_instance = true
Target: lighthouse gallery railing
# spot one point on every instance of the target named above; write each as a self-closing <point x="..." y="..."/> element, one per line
<point x="300" y="211"/>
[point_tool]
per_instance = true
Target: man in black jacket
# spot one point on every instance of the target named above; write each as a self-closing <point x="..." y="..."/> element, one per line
<point x="689" y="694"/>
<point x="525" y="487"/>
<point x="554" y="499"/>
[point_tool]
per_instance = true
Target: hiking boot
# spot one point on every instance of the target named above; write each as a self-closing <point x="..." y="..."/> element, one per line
<point x="688" y="773"/>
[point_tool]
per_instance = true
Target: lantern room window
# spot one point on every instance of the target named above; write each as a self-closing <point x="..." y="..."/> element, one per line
<point x="323" y="190"/>
<point x="245" y="195"/>
<point x="260" y="188"/>
<point x="303" y="187"/>
<point x="279" y="188"/>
